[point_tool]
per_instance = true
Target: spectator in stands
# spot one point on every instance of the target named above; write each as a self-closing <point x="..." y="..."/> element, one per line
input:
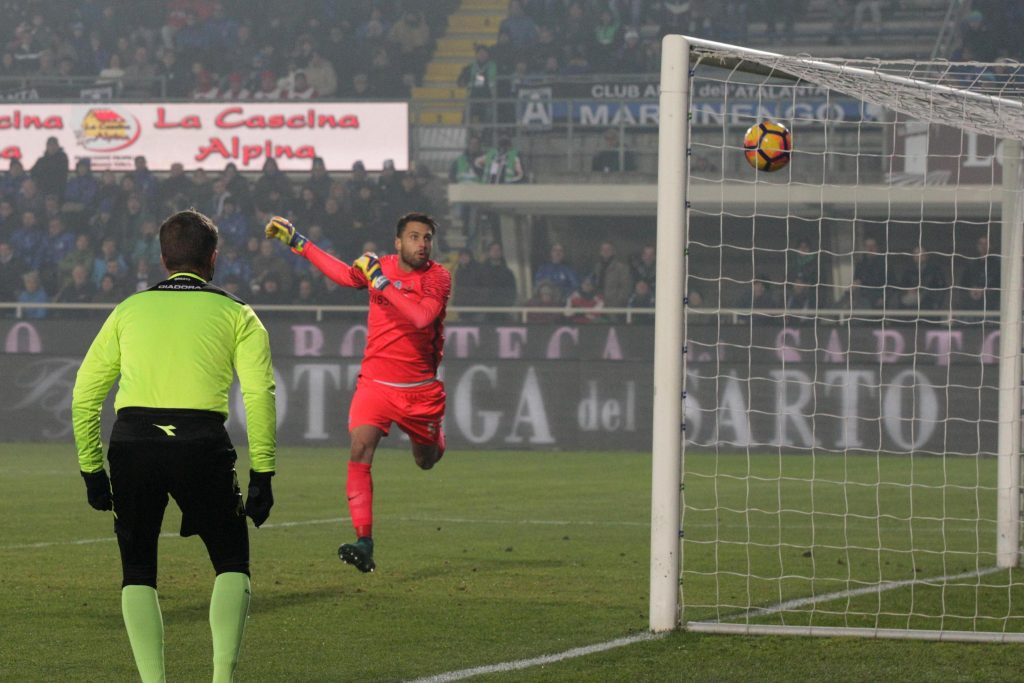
<point x="410" y="37"/>
<point x="319" y="180"/>
<point x="204" y="88"/>
<point x="145" y="246"/>
<point x="11" y="270"/>
<point x="27" y="240"/>
<point x="78" y="290"/>
<point x="924" y="285"/>
<point x="271" y="178"/>
<point x="10" y="186"/>
<point x="480" y="77"/>
<point x="981" y="273"/>
<point x="58" y="244"/>
<point x="173" y="74"/>
<point x="269" y="89"/>
<point x="361" y="88"/>
<point x="545" y="295"/>
<point x="409" y="196"/>
<point x="468" y="287"/>
<point x="546" y="47"/>
<point x="586" y="298"/>
<point x="108" y="255"/>
<point x="8" y="218"/>
<point x="644" y="265"/>
<point x="463" y="169"/>
<point x="81" y="190"/>
<point x="614" y="158"/>
<point x="605" y="42"/>
<point x="300" y="89"/>
<point x="267" y="265"/>
<point x="631" y="57"/>
<point x="174" y="185"/>
<point x="760" y="296"/>
<point x="519" y="26"/>
<point x="869" y="276"/>
<point x="237" y="185"/>
<point x="235" y="90"/>
<point x="977" y="39"/>
<point x="145" y="182"/>
<point x="801" y="302"/>
<point x="389" y="184"/>
<point x="309" y="208"/>
<point x="108" y="291"/>
<point x="501" y="164"/>
<point x="803" y="263"/>
<point x="558" y="273"/>
<point x="321" y="75"/>
<point x="50" y="171"/>
<point x="82" y="255"/>
<point x="139" y="73"/>
<point x="611" y="277"/>
<point x="112" y="74"/>
<point x="642" y="297"/>
<point x="32" y="292"/>
<point x="232" y="223"/>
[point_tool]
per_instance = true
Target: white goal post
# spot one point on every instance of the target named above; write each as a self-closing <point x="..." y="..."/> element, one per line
<point x="801" y="482"/>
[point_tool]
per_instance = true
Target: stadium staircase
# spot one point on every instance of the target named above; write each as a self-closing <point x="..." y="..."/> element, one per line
<point x="441" y="102"/>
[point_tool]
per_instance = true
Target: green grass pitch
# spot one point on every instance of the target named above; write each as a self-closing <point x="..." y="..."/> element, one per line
<point x="489" y="558"/>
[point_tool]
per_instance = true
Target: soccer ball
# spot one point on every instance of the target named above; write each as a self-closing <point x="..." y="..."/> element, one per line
<point x="767" y="146"/>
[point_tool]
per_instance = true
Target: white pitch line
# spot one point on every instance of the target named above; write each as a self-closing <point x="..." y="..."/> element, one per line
<point x="335" y="520"/>
<point x="852" y="593"/>
<point x="518" y="664"/>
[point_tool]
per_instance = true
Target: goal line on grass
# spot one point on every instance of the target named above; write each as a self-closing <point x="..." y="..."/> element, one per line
<point x="518" y="664"/>
<point x="724" y="625"/>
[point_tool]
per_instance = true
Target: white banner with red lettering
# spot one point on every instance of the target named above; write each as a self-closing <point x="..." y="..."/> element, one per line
<point x="210" y="136"/>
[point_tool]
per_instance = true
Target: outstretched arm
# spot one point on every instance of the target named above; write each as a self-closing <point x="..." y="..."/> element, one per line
<point x="337" y="270"/>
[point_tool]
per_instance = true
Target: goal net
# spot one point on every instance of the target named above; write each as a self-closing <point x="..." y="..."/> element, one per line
<point x="850" y="365"/>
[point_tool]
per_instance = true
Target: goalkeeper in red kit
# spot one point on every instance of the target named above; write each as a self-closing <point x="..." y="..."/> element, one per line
<point x="398" y="379"/>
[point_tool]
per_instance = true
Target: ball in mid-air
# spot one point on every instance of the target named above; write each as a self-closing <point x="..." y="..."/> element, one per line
<point x="767" y="146"/>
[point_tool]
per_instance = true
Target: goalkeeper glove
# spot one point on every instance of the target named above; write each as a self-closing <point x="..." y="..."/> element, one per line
<point x="369" y="265"/>
<point x="282" y="229"/>
<point x="97" y="490"/>
<point x="261" y="497"/>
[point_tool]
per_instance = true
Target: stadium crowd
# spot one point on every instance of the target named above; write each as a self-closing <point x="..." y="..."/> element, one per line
<point x="85" y="237"/>
<point x="224" y="49"/>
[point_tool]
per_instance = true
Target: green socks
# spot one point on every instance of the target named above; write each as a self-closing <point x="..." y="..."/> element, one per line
<point x="145" y="625"/>
<point x="229" y="606"/>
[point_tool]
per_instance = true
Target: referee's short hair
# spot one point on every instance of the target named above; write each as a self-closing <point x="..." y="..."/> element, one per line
<point x="415" y="217"/>
<point x="187" y="241"/>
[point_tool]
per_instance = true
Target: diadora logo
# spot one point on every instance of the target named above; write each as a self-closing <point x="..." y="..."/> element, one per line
<point x="167" y="429"/>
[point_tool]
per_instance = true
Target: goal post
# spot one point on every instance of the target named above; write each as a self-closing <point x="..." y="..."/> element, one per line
<point x="837" y="406"/>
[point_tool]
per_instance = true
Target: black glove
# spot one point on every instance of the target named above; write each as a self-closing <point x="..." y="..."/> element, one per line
<point x="261" y="497"/>
<point x="97" y="490"/>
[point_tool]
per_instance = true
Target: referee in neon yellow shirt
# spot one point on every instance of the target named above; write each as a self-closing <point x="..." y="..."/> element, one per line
<point x="176" y="347"/>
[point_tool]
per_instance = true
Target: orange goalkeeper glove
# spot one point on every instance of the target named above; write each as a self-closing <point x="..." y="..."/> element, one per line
<point x="282" y="229"/>
<point x="369" y="265"/>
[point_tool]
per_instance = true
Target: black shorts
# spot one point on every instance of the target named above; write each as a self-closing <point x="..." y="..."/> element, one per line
<point x="188" y="456"/>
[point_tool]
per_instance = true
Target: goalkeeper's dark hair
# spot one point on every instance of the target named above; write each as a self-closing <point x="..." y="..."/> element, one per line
<point x="415" y="217"/>
<point x="187" y="242"/>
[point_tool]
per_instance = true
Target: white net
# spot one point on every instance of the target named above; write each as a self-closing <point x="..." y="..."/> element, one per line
<point x="842" y="348"/>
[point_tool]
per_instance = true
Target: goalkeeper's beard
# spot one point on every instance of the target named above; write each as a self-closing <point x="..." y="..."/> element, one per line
<point x="415" y="259"/>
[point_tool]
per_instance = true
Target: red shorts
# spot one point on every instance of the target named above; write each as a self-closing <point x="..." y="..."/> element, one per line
<point x="418" y="411"/>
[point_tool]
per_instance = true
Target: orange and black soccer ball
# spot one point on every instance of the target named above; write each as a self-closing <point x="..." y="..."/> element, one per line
<point x="767" y="146"/>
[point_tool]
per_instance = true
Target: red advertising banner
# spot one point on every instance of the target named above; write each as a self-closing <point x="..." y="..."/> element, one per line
<point x="210" y="136"/>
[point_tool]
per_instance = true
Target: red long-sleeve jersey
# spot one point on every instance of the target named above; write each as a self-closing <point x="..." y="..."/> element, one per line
<point x="405" y="325"/>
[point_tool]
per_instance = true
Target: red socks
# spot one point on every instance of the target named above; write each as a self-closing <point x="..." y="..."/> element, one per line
<point x="359" y="488"/>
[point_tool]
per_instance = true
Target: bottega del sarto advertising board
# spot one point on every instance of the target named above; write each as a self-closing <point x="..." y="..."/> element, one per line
<point x="210" y="136"/>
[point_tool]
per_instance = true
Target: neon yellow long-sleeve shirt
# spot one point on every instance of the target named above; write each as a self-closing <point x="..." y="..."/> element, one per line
<point x="178" y="346"/>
